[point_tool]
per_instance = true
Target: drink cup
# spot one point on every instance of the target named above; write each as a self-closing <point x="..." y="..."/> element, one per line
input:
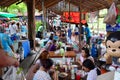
<point x="78" y="77"/>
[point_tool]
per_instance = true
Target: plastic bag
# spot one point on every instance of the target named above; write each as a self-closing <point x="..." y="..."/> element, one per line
<point x="110" y="18"/>
<point x="14" y="74"/>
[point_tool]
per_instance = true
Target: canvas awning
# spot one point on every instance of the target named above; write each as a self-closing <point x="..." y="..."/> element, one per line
<point x="7" y="15"/>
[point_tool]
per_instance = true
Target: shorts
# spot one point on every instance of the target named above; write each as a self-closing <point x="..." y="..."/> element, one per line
<point x="76" y="33"/>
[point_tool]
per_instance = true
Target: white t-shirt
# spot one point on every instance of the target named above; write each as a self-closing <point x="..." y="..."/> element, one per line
<point x="13" y="29"/>
<point x="92" y="75"/>
<point x="76" y="29"/>
<point x="41" y="75"/>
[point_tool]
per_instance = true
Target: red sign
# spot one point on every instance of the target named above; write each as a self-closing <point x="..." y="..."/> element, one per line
<point x="73" y="18"/>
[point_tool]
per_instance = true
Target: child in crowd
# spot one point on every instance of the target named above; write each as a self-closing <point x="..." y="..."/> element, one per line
<point x="88" y="66"/>
<point x="84" y="55"/>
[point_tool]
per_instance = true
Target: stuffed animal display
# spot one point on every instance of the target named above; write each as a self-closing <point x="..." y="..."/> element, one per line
<point x="113" y="49"/>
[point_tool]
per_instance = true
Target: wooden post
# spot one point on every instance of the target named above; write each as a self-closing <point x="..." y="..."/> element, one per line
<point x="44" y="15"/>
<point x="69" y="14"/>
<point x="80" y="27"/>
<point x="47" y="21"/>
<point x="31" y="22"/>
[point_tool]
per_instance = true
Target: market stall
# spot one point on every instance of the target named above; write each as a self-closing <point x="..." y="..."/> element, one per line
<point x="81" y="6"/>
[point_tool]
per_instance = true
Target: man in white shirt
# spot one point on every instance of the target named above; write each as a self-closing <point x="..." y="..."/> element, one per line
<point x="92" y="75"/>
<point x="13" y="28"/>
<point x="88" y="66"/>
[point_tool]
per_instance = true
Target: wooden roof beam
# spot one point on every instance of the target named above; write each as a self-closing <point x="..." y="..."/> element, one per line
<point x="8" y="3"/>
<point x="103" y="2"/>
<point x="91" y="3"/>
<point x="2" y="2"/>
<point x="57" y="12"/>
<point x="38" y="2"/>
<point x="83" y="7"/>
<point x="48" y="3"/>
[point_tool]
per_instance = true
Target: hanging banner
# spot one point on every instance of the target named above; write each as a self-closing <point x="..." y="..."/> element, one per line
<point x="73" y="18"/>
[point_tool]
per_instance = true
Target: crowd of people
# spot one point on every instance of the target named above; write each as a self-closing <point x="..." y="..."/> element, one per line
<point x="10" y="31"/>
<point x="59" y="37"/>
<point x="44" y="65"/>
<point x="66" y="35"/>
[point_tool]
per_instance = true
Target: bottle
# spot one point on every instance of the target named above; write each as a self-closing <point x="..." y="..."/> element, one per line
<point x="65" y="48"/>
<point x="22" y="53"/>
<point x="72" y="74"/>
<point x="63" y="60"/>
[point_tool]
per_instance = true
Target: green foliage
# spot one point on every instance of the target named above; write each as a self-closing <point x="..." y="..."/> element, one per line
<point x="102" y="13"/>
<point x="15" y="9"/>
<point x="118" y="19"/>
<point x="16" y="19"/>
<point x="38" y="23"/>
<point x="3" y="9"/>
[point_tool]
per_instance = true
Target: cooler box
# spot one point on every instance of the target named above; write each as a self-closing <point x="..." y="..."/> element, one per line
<point x="26" y="47"/>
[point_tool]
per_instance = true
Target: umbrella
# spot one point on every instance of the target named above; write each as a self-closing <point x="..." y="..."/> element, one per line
<point x="6" y="15"/>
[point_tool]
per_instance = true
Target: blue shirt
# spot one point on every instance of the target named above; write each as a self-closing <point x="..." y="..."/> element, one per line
<point x="6" y="42"/>
<point x="23" y="29"/>
<point x="69" y="32"/>
<point x="87" y="31"/>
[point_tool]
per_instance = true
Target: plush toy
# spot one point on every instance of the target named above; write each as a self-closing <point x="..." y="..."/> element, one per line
<point x="113" y="49"/>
